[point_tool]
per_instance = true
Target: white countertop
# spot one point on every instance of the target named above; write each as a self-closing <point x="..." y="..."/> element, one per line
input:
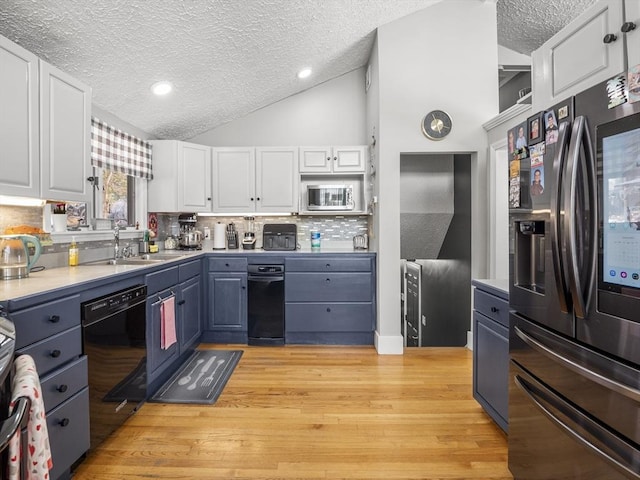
<point x="497" y="283"/>
<point x="53" y="279"/>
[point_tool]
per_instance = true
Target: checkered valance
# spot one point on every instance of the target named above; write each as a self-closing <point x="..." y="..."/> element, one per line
<point x="117" y="150"/>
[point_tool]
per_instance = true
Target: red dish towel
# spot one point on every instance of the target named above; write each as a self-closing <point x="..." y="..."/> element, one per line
<point x="168" y="323"/>
<point x="38" y="462"/>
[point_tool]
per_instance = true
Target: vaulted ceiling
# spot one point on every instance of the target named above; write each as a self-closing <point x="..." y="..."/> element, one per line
<point x="226" y="58"/>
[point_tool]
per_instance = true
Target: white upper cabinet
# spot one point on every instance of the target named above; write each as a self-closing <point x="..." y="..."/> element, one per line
<point x="333" y="159"/>
<point x="233" y="179"/>
<point x="65" y="136"/>
<point x="277" y="179"/>
<point x="248" y="179"/>
<point x="19" y="136"/>
<point x="587" y="51"/>
<point x="631" y="31"/>
<point x="181" y="177"/>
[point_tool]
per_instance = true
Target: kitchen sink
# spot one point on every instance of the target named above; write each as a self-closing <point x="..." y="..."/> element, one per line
<point x="146" y="259"/>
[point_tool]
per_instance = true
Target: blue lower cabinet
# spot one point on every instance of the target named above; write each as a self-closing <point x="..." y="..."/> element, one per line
<point x="68" y="426"/>
<point x="227" y="307"/>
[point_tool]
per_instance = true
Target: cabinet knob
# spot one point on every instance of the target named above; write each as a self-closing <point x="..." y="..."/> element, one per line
<point x="55" y="353"/>
<point x="54" y="318"/>
<point x="328" y="265"/>
<point x="494" y="309"/>
<point x="182" y="302"/>
<point x="328" y="280"/>
<point x="226" y="264"/>
<point x="209" y="199"/>
<point x="252" y="199"/>
<point x="335" y="159"/>
<point x="62" y="388"/>
<point x="328" y="310"/>
<point x="328" y="159"/>
<point x="258" y="198"/>
<point x="64" y="422"/>
<point x="609" y="38"/>
<point x="628" y="26"/>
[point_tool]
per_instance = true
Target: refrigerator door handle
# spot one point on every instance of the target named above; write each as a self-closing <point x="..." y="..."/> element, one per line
<point x="556" y="215"/>
<point x="608" y="383"/>
<point x="580" y="141"/>
<point x="582" y="420"/>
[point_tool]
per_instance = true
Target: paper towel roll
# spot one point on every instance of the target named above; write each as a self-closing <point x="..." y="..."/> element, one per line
<point x="219" y="236"/>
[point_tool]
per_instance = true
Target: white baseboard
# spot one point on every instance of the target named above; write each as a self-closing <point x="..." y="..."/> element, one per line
<point x="470" y="340"/>
<point x="389" y="344"/>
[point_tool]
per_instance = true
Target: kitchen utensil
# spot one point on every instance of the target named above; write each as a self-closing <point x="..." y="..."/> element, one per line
<point x="361" y="242"/>
<point x="209" y="379"/>
<point x="232" y="236"/>
<point x="187" y="378"/>
<point x="15" y="261"/>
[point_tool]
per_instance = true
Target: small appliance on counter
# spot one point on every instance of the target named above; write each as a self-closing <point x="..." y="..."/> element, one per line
<point x="279" y="236"/>
<point x="15" y="258"/>
<point x="219" y="236"/>
<point x="232" y="237"/>
<point x="190" y="238"/>
<point x="249" y="240"/>
<point x="330" y="197"/>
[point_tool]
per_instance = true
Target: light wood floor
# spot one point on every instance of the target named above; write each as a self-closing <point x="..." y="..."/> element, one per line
<point x="307" y="412"/>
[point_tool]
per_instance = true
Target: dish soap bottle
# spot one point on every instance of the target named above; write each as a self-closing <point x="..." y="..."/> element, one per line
<point x="73" y="253"/>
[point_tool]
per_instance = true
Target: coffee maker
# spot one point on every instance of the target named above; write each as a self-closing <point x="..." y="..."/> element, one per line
<point x="190" y="238"/>
<point x="249" y="239"/>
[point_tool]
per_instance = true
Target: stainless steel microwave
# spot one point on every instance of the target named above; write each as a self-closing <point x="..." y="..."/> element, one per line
<point x="330" y="197"/>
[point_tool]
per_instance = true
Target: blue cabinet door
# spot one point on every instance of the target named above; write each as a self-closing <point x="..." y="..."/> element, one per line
<point x="227" y="297"/>
<point x="158" y="358"/>
<point x="190" y="314"/>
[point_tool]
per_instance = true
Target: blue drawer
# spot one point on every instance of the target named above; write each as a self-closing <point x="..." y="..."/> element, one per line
<point x="55" y="351"/>
<point x="163" y="279"/>
<point x="39" y="322"/>
<point x="328" y="287"/>
<point x="231" y="264"/>
<point x="328" y="264"/>
<point x="329" y="317"/>
<point x="68" y="427"/>
<point x="491" y="306"/>
<point x="189" y="270"/>
<point x="64" y="383"/>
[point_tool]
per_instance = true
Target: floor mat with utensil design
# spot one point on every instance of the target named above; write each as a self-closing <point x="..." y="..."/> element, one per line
<point x="200" y="379"/>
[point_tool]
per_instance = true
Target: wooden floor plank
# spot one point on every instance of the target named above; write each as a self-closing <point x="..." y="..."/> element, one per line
<point x="317" y="412"/>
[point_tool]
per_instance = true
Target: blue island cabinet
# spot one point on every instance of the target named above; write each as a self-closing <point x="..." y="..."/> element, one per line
<point x="330" y="299"/>
<point x="491" y="350"/>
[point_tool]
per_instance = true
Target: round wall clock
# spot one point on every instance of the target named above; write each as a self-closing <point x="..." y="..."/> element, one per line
<point x="436" y="125"/>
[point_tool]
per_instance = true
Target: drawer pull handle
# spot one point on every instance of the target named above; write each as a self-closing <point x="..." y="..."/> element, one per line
<point x="62" y="388"/>
<point x="182" y="302"/>
<point x="226" y="264"/>
<point x="328" y="310"/>
<point x="56" y="353"/>
<point x="494" y="309"/>
<point x="328" y="265"/>
<point x="54" y="318"/>
<point x="328" y="280"/>
<point x="609" y="38"/>
<point x="64" y="422"/>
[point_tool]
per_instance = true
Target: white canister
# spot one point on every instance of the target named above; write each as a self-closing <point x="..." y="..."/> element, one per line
<point x="219" y="236"/>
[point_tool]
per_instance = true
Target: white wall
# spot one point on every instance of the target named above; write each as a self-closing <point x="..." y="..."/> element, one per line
<point x="443" y="57"/>
<point x="332" y="113"/>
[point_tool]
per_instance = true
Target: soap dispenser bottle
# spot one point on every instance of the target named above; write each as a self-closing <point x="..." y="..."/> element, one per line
<point x="73" y="253"/>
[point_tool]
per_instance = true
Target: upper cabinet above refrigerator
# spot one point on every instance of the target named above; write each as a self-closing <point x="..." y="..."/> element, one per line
<point x="589" y="50"/>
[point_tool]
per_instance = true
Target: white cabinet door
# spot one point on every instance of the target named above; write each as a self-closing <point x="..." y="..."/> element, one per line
<point x="315" y="159"/>
<point x="277" y="179"/>
<point x="632" y="14"/>
<point x="19" y="135"/>
<point x="577" y="58"/>
<point x="194" y="173"/>
<point x="349" y="159"/>
<point x="181" y="177"/>
<point x="233" y="180"/>
<point x="65" y="121"/>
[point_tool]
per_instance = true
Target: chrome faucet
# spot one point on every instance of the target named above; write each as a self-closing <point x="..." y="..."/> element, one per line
<point x="116" y="246"/>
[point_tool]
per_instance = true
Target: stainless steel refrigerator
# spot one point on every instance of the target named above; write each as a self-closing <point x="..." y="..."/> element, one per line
<point x="574" y="340"/>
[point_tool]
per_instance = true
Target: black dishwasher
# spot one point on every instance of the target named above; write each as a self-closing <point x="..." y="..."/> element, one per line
<point x="266" y="304"/>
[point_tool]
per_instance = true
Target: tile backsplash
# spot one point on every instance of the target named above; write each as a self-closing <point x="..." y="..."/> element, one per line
<point x="332" y="228"/>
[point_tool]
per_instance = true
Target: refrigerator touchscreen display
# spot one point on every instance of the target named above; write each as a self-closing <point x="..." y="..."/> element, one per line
<point x="621" y="207"/>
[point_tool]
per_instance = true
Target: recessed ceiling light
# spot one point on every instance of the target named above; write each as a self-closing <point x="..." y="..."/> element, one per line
<point x="304" y="73"/>
<point x="161" y="88"/>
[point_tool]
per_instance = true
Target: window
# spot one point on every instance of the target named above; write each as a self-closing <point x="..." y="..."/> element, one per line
<point x="115" y="197"/>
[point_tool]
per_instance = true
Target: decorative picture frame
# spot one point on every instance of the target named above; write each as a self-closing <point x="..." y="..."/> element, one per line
<point x="536" y="128"/>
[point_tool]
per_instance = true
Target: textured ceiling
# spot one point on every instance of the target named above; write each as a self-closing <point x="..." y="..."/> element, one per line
<point x="226" y="58"/>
